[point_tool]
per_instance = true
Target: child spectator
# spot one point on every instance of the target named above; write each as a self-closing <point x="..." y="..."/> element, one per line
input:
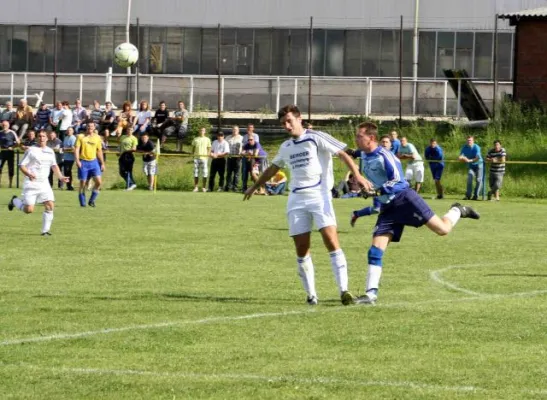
<point x="149" y="162"/>
<point x="128" y="145"/>
<point x="277" y="184"/>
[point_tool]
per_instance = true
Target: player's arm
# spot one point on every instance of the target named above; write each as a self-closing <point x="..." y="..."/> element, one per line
<point x="100" y="156"/>
<point x="77" y="153"/>
<point x="262" y="179"/>
<point x="23" y="166"/>
<point x="354" y="169"/>
<point x="395" y="182"/>
<point x="59" y="174"/>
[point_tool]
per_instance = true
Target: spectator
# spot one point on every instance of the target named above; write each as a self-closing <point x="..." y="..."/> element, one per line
<point x="161" y="120"/>
<point x="180" y="118"/>
<point x="143" y="118"/>
<point x="125" y="118"/>
<point x="56" y="115"/>
<point x="8" y="114"/>
<point x="66" y="120"/>
<point x="41" y="120"/>
<point x="68" y="158"/>
<point x="347" y="188"/>
<point x="149" y="162"/>
<point x="395" y="143"/>
<point x="79" y="116"/>
<point x="57" y="146"/>
<point x="496" y="156"/>
<point x="434" y="153"/>
<point x="24" y="117"/>
<point x="8" y="142"/>
<point x="201" y="146"/>
<point x="471" y="155"/>
<point x="245" y="171"/>
<point x="277" y="184"/>
<point x="97" y="115"/>
<point x="108" y="122"/>
<point x="235" y="141"/>
<point x="415" y="166"/>
<point x="30" y="140"/>
<point x="255" y="160"/>
<point x="219" y="150"/>
<point x="128" y="145"/>
<point x="309" y="126"/>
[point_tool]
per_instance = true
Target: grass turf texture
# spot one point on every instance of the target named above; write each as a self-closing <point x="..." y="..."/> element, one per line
<point x="219" y="277"/>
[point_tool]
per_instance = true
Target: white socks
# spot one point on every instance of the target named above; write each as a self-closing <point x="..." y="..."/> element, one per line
<point x="307" y="274"/>
<point x="453" y="215"/>
<point x="373" y="277"/>
<point x="339" y="269"/>
<point x="47" y="219"/>
<point x="17" y="202"/>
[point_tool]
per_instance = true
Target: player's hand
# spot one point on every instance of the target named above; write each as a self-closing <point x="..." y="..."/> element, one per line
<point x="31" y="176"/>
<point x="102" y="167"/>
<point x="248" y="193"/>
<point x="368" y="193"/>
<point x="79" y="164"/>
<point x="364" y="183"/>
<point x="65" y="179"/>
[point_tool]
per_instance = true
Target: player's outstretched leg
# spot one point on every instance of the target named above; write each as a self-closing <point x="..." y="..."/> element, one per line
<point x="374" y="274"/>
<point x="443" y="226"/>
<point x="16" y="202"/>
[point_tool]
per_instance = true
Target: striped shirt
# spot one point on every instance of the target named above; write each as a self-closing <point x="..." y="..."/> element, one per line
<point x="496" y="167"/>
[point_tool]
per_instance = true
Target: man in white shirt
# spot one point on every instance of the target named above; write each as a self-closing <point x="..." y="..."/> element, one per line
<point x="235" y="141"/>
<point x="308" y="155"/>
<point x="415" y="166"/>
<point x="35" y="165"/>
<point x="219" y="150"/>
<point x="65" y="121"/>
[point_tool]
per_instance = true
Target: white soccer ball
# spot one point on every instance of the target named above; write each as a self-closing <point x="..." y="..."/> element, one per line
<point x="126" y="55"/>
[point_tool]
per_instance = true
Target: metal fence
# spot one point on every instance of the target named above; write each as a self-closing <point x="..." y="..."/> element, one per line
<point x="255" y="94"/>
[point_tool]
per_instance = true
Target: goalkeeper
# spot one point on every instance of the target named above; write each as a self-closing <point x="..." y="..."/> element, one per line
<point x="400" y="206"/>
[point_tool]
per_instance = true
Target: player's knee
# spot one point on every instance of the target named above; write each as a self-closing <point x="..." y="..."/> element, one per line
<point x="28" y="209"/>
<point x="375" y="255"/>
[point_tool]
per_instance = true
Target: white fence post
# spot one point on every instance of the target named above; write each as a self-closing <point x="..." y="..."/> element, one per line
<point x="12" y="79"/>
<point x="191" y="106"/>
<point x="459" y="97"/>
<point x="108" y="89"/>
<point x="367" y="99"/>
<point x="295" y="92"/>
<point x="222" y="94"/>
<point x="81" y="95"/>
<point x="25" y="88"/>
<point x="278" y="93"/>
<point x="151" y="89"/>
<point x="445" y="98"/>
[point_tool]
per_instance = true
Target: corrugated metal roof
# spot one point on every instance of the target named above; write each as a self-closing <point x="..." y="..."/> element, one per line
<point x="534" y="13"/>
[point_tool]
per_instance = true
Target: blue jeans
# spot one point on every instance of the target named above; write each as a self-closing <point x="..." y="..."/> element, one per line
<point x="279" y="189"/>
<point x="474" y="173"/>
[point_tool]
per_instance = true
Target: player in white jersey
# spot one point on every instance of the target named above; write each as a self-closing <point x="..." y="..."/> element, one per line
<point x="36" y="165"/>
<point x="308" y="155"/>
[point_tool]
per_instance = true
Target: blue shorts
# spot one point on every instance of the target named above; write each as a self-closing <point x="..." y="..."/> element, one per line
<point x="406" y="209"/>
<point x="89" y="170"/>
<point x="436" y="170"/>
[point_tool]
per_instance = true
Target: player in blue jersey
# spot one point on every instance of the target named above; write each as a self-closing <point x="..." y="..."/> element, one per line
<point x="434" y="154"/>
<point x="400" y="205"/>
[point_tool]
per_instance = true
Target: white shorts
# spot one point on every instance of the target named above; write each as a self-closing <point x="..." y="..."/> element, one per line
<point x="303" y="212"/>
<point x="200" y="166"/>
<point x="150" y="168"/>
<point x="35" y="192"/>
<point x="415" y="171"/>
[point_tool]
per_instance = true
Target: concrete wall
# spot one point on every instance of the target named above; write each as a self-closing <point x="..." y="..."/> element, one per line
<point x="531" y="61"/>
<point x="256" y="95"/>
<point x="434" y="14"/>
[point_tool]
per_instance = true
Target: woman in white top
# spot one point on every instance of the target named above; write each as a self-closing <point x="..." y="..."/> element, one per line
<point x="142" y="121"/>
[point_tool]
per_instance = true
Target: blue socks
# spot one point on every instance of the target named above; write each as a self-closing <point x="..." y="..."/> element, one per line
<point x="94" y="195"/>
<point x="81" y="197"/>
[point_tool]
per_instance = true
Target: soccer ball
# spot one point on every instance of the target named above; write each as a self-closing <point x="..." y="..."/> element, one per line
<point x="126" y="55"/>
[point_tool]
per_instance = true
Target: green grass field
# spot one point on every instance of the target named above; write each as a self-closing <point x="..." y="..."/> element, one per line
<point x="195" y="295"/>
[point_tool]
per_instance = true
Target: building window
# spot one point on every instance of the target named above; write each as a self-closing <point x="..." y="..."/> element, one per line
<point x="371" y="52"/>
<point x="426" y="54"/>
<point x="262" y="51"/>
<point x="464" y="51"/>
<point x="483" y="55"/>
<point x="445" y="52"/>
<point x="191" y="51"/>
<point x="504" y="56"/>
<point x="19" y="48"/>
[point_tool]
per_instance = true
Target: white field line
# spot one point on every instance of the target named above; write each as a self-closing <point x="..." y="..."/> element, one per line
<point x="167" y="324"/>
<point x="268" y="379"/>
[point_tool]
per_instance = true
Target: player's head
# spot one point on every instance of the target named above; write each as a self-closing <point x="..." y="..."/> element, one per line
<point x="90" y="128"/>
<point x="404" y="141"/>
<point x="291" y="119"/>
<point x="145" y="137"/>
<point x="470" y="140"/>
<point x="163" y="105"/>
<point x="42" y="137"/>
<point x="5" y="125"/>
<point x="385" y="142"/>
<point x="433" y="142"/>
<point x="235" y="130"/>
<point x="497" y="145"/>
<point x="366" y="137"/>
<point x="393" y="134"/>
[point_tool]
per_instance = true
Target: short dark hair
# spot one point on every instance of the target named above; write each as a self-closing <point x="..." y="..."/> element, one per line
<point x="432" y="140"/>
<point x="385" y="137"/>
<point x="370" y="128"/>
<point x="290" y="108"/>
<point x="162" y="102"/>
<point x="220" y="133"/>
<point x="497" y="141"/>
